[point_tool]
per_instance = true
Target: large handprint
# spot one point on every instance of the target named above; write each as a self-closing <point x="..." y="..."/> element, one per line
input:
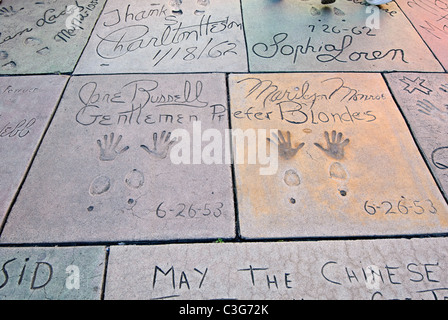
<point x="428" y="108"/>
<point x="108" y="150"/>
<point x="161" y="145"/>
<point x="335" y="146"/>
<point x="285" y="148"/>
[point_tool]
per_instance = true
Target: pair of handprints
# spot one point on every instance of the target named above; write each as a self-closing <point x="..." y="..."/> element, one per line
<point x="334" y="149"/>
<point x="176" y="6"/>
<point x="110" y="150"/>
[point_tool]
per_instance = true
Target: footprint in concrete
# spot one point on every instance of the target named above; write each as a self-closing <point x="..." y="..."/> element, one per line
<point x="135" y="179"/>
<point x="339" y="174"/>
<point x="337" y="171"/>
<point x="100" y="185"/>
<point x="32" y="41"/>
<point x="9" y="66"/>
<point x="291" y="178"/>
<point x="3" y="55"/>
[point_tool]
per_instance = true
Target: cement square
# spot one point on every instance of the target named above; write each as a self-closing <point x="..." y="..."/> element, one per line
<point x="430" y="20"/>
<point x="45" y="36"/>
<point x="107" y="169"/>
<point x="345" y="36"/>
<point x="347" y="164"/>
<point x="333" y="270"/>
<point x="158" y="37"/>
<point x="27" y="104"/>
<point x="423" y="99"/>
<point x="70" y="273"/>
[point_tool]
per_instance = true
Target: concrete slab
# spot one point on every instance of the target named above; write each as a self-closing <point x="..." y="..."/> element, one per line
<point x="52" y="273"/>
<point x="108" y="170"/>
<point x="158" y="37"/>
<point x="345" y="36"/>
<point x="430" y="20"/>
<point x="333" y="270"/>
<point x="45" y="36"/>
<point x="26" y="106"/>
<point x="347" y="163"/>
<point x="422" y="97"/>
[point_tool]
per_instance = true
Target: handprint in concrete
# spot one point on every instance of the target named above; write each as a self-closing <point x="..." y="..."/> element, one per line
<point x="335" y="145"/>
<point x="109" y="147"/>
<point x="162" y="145"/>
<point x="285" y="148"/>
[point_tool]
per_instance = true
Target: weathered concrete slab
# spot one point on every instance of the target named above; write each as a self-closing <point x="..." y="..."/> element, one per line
<point x="429" y="17"/>
<point x="112" y="173"/>
<point x="345" y="36"/>
<point x="45" y="36"/>
<point x="334" y="270"/>
<point x="26" y="106"/>
<point x="51" y="273"/>
<point x="157" y="36"/>
<point x="347" y="163"/>
<point x="423" y="99"/>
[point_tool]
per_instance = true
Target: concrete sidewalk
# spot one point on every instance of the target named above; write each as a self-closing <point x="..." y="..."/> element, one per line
<point x="253" y="149"/>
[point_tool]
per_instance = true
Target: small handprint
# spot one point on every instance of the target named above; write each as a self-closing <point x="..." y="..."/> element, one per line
<point x="285" y="148"/>
<point x="175" y="4"/>
<point x="203" y="2"/>
<point x="161" y="145"/>
<point x="201" y="6"/>
<point x="428" y="108"/>
<point x="8" y="11"/>
<point x="315" y="12"/>
<point x="335" y="146"/>
<point x="108" y="148"/>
